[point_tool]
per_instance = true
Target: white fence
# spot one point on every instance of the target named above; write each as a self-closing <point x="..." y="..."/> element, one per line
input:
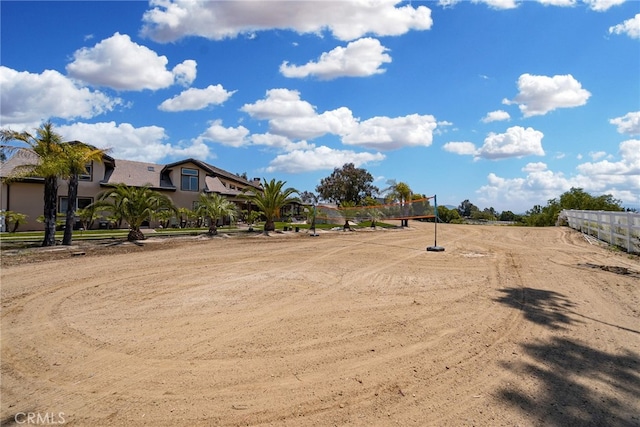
<point x="621" y="229"/>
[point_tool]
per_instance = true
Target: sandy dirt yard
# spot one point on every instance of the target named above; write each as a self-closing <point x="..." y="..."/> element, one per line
<point x="510" y="326"/>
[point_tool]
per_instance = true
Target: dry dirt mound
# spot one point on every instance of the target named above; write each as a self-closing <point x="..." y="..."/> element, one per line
<point x="508" y="326"/>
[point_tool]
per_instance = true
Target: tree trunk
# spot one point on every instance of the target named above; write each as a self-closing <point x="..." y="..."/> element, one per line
<point x="71" y="210"/>
<point x="135" y="235"/>
<point x="213" y="227"/>
<point x="269" y="225"/>
<point x="50" y="196"/>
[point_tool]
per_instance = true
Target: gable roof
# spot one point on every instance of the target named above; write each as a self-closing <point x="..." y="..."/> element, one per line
<point x="137" y="174"/>
<point x="215" y="171"/>
<point x="20" y="157"/>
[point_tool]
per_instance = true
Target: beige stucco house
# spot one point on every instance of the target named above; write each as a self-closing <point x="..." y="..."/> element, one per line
<point x="182" y="181"/>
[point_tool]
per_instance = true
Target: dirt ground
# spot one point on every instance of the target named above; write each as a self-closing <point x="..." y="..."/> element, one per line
<point x="508" y="326"/>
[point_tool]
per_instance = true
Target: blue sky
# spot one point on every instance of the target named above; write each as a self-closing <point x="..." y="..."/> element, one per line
<point x="501" y="102"/>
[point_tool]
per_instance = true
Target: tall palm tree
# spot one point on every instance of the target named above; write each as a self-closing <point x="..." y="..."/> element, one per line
<point x="215" y="206"/>
<point x="46" y="145"/>
<point x="133" y="205"/>
<point x="76" y="156"/>
<point x="272" y="198"/>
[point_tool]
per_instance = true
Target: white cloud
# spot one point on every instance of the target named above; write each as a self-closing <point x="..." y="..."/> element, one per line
<point x="320" y="158"/>
<point x="338" y="122"/>
<point x="294" y="118"/>
<point x="630" y="27"/>
<point x="185" y="72"/>
<point x="626" y="170"/>
<point x="602" y="5"/>
<point x="387" y="133"/>
<point x="360" y="58"/>
<point x="595" y="155"/>
<point x="279" y="142"/>
<point x="561" y="3"/>
<point x="121" y="64"/>
<point x="540" y="94"/>
<point x="629" y="123"/>
<point x="27" y="99"/>
<point x="496" y="116"/>
<point x="125" y="141"/>
<point x="280" y="103"/>
<point x="515" y="142"/>
<point x="169" y="21"/>
<point x="621" y="179"/>
<point x="461" y="148"/>
<point x="499" y="4"/>
<point x="229" y="136"/>
<point x="196" y="99"/>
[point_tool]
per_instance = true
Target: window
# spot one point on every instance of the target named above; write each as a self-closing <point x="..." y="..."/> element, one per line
<point x="81" y="203"/>
<point x="87" y="176"/>
<point x="189" y="180"/>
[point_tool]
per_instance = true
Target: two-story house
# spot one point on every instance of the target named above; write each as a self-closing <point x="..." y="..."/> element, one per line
<point x="182" y="181"/>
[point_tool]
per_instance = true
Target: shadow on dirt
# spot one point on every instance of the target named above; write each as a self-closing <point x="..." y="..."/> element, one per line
<point x="546" y="308"/>
<point x="562" y="365"/>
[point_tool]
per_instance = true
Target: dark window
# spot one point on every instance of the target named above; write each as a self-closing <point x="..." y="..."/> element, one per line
<point x="81" y="203"/>
<point x="189" y="180"/>
<point x="87" y="176"/>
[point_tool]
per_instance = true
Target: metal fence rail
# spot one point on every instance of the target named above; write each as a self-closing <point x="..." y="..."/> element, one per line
<point x="620" y="229"/>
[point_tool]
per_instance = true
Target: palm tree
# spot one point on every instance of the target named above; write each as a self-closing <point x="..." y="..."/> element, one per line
<point x="215" y="206"/>
<point x="15" y="218"/>
<point x="272" y="198"/>
<point x="46" y="145"/>
<point x="133" y="205"/>
<point x="76" y="156"/>
<point x="400" y="192"/>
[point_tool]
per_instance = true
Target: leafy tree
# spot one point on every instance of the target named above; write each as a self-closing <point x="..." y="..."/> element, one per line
<point x="308" y="198"/>
<point x="14" y="218"/>
<point x="88" y="216"/>
<point x="347" y="184"/>
<point x="575" y="198"/>
<point x="46" y="144"/>
<point x="185" y="215"/>
<point x="448" y="215"/>
<point x="509" y="216"/>
<point x="466" y="208"/>
<point x="272" y="198"/>
<point x="215" y="206"/>
<point x="76" y="156"/>
<point x="488" y="214"/>
<point x="133" y="205"/>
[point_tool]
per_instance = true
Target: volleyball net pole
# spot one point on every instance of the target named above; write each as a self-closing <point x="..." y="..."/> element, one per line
<point x="435" y="247"/>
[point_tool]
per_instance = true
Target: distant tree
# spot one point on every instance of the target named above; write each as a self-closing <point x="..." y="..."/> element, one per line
<point x="448" y="215"/>
<point x="308" y="198"/>
<point x="488" y="214"/>
<point x="575" y="198"/>
<point x="508" y="216"/>
<point x="466" y="209"/>
<point x="399" y="192"/>
<point x="347" y="184"/>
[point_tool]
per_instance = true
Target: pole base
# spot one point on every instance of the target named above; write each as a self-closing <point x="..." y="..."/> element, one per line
<point x="435" y="249"/>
